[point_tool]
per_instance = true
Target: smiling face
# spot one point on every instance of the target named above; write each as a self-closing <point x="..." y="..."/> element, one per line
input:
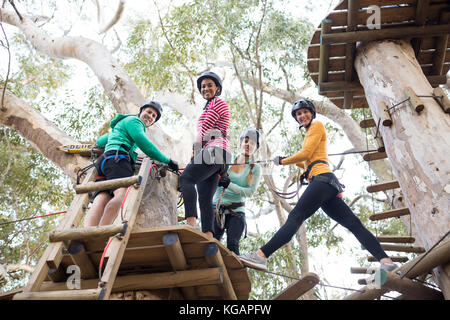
<point x="208" y="88"/>
<point x="248" y="147"/>
<point x="148" y="116"/>
<point x="303" y="116"/>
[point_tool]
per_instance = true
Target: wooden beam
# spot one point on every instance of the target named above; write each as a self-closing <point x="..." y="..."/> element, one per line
<point x="367" y="123"/>
<point x="89" y="294"/>
<point x="298" y="288"/>
<point x="375" y="156"/>
<point x="402" y="248"/>
<point x="389" y="185"/>
<point x="420" y="265"/>
<point x="109" y="184"/>
<point x="395" y="259"/>
<point x="414" y="100"/>
<point x="412" y="290"/>
<point x="361" y="270"/>
<point x="339" y="86"/>
<point x="381" y="34"/>
<point x="177" y="259"/>
<point x="152" y="281"/>
<point x="79" y="257"/>
<point x="86" y="234"/>
<point x="214" y="259"/>
<point x="324" y="53"/>
<point x="394" y="213"/>
<point x="441" y="47"/>
<point x="385" y="115"/>
<point x="396" y="239"/>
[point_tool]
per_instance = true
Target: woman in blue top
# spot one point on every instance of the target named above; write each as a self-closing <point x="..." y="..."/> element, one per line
<point x="242" y="181"/>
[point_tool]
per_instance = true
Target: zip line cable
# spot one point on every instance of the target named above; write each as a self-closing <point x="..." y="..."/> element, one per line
<point x="32" y="218"/>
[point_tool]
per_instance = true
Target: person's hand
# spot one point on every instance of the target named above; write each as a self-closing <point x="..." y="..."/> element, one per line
<point x="277" y="160"/>
<point x="173" y="165"/>
<point x="224" y="181"/>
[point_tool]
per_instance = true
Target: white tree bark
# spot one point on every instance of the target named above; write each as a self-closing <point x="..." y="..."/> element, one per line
<point x="416" y="144"/>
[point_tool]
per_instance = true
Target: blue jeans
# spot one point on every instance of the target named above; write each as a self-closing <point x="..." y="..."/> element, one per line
<point x="317" y="195"/>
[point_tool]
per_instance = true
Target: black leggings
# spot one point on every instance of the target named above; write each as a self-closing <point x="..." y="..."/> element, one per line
<point x="317" y="195"/>
<point x="203" y="172"/>
<point x="235" y="226"/>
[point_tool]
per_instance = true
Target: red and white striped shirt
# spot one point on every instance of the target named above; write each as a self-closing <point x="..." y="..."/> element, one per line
<point x="214" y="122"/>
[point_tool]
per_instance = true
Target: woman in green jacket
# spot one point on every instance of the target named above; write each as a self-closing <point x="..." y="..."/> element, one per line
<point x="127" y="134"/>
<point x="241" y="182"/>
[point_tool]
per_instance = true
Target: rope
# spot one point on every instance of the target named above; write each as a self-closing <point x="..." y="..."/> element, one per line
<point x="103" y="257"/>
<point x="31" y="218"/>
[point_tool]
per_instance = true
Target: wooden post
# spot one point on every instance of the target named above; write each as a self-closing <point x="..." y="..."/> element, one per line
<point x="367" y="123"/>
<point x="108" y="184"/>
<point x="86" y="234"/>
<point x="324" y="53"/>
<point x="383" y="186"/>
<point x="81" y="259"/>
<point x="442" y="99"/>
<point x="375" y="156"/>
<point x="178" y="260"/>
<point x="385" y="115"/>
<point x="394" y="213"/>
<point x="214" y="259"/>
<point x="415" y="101"/>
<point x="298" y="288"/>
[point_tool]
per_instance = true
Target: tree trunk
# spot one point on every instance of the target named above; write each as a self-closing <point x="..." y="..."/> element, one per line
<point x="416" y="144"/>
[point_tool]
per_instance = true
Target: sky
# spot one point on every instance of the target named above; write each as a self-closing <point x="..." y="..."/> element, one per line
<point x="331" y="266"/>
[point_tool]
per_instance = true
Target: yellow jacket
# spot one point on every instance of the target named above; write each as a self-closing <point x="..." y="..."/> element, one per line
<point x="314" y="148"/>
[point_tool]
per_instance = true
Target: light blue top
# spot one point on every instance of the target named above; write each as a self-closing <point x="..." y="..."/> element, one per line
<point x="239" y="190"/>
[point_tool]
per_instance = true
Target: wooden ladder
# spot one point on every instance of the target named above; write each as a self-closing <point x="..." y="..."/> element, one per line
<point x="71" y="239"/>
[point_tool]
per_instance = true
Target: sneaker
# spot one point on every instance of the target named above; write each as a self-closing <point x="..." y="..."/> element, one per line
<point x="388" y="266"/>
<point x="254" y="261"/>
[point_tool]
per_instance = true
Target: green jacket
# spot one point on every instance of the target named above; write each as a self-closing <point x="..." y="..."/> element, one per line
<point x="129" y="130"/>
<point x="239" y="190"/>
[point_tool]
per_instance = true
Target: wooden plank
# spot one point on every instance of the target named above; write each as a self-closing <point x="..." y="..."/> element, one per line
<point x="87" y="234"/>
<point x="117" y="247"/>
<point x="106" y="185"/>
<point x="89" y="294"/>
<point x="395" y="259"/>
<point x="367" y="123"/>
<point x="356" y="103"/>
<point x="441" y="46"/>
<point x="53" y="252"/>
<point x="336" y="50"/>
<point x="214" y="258"/>
<point x="396" y="239"/>
<point x="177" y="259"/>
<point x="402" y="248"/>
<point x="298" y="287"/>
<point x="335" y="64"/>
<point x="324" y="53"/>
<point x="366" y="3"/>
<point x="339" y="86"/>
<point x="394" y="213"/>
<point x="389" y="185"/>
<point x="81" y="259"/>
<point x="374" y="156"/>
<point x="392" y="33"/>
<point x="57" y="275"/>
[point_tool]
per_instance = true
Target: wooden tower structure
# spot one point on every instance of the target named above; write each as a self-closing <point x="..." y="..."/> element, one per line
<point x="391" y="56"/>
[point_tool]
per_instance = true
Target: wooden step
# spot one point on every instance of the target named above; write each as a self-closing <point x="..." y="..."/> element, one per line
<point x="361" y="270"/>
<point x="88" y="294"/>
<point x="367" y="123"/>
<point x="390" y="214"/>
<point x="396" y="239"/>
<point x="375" y="156"/>
<point x="383" y="186"/>
<point x="109" y="184"/>
<point x="299" y="287"/>
<point x="86" y="234"/>
<point x="395" y="259"/>
<point x="400" y="248"/>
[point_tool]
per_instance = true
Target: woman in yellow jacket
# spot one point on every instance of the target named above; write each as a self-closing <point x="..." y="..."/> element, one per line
<point x="323" y="192"/>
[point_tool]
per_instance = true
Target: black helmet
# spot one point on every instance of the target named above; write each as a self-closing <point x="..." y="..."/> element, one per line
<point x="252" y="134"/>
<point x="155" y="105"/>
<point x="300" y="104"/>
<point x="211" y="75"/>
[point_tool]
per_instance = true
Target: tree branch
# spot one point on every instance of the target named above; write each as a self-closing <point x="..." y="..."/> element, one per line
<point x="115" y="18"/>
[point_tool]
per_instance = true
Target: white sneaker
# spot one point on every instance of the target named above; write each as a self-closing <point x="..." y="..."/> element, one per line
<point x="254" y="261"/>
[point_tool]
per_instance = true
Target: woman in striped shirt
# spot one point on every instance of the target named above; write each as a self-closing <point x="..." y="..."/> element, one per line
<point x="211" y="154"/>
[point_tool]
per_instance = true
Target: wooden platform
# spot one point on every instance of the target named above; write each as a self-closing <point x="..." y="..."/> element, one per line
<point x="146" y="265"/>
<point x="332" y="48"/>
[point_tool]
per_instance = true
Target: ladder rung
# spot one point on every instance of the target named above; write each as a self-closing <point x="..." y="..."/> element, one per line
<point x="383" y="186"/>
<point x="396" y="239"/>
<point x="367" y="123"/>
<point x="390" y="214"/>
<point x="88" y="294"/>
<point x="84" y="234"/>
<point x="360" y="270"/>
<point x="395" y="259"/>
<point x="375" y="156"/>
<point x="108" y="184"/>
<point x="402" y="248"/>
